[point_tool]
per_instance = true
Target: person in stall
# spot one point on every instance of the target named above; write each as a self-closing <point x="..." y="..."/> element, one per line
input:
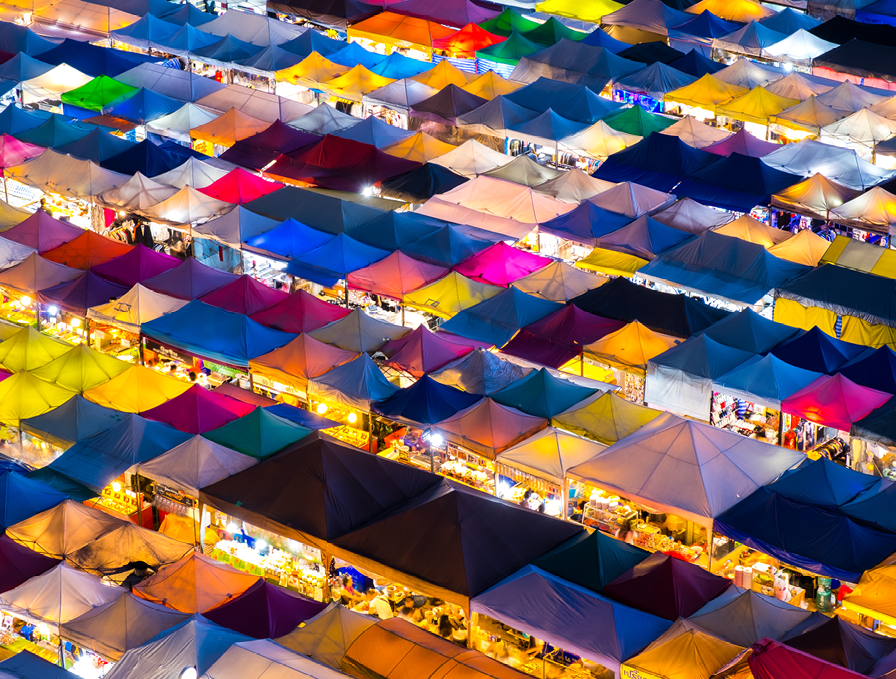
<point x="378" y="605"/>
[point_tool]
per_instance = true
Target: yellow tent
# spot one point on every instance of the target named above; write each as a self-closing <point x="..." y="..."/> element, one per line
<point x="611" y="263"/>
<point x="81" y="368"/>
<point x="558" y="282"/>
<point x="230" y="128"/>
<point x="355" y="84"/>
<point x="875" y="595"/>
<point x="809" y="116"/>
<point x="583" y="10"/>
<point x="28" y="349"/>
<point x="136" y="389"/>
<point x="23" y="395"/>
<point x="443" y="74"/>
<point x="815" y="196"/>
<point x="421" y="148"/>
<point x="753" y="231"/>
<point x="742" y="11"/>
<point x="804" y="248"/>
<point x="854" y="254"/>
<point x="876" y="206"/>
<point x="605" y="417"/>
<point x="450" y="295"/>
<point x="10" y="216"/>
<point x="707" y="93"/>
<point x="311" y="71"/>
<point x="490" y="85"/>
<point x="630" y="348"/>
<point x="756" y="106"/>
<point x="684" y="651"/>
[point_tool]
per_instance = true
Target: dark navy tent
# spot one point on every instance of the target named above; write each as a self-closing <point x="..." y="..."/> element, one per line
<point x="228" y="49"/>
<point x="766" y="380"/>
<point x="839" y="29"/>
<point x="878" y="425"/>
<point x="789" y="21"/>
<point x="98" y="145"/>
<point x="313" y="41"/>
<point x="289" y="239"/>
<point x="577" y="102"/>
<point x="146" y="157"/>
<point x="591" y="561"/>
<point x="189" y="14"/>
<point x="496" y="320"/>
<point x="823" y="483"/>
<point x="317" y="210"/>
<point x="817" y="351"/>
<point x="15" y="120"/>
<point x="651" y="53"/>
<point x="262" y="148"/>
<point x="570" y="617"/>
<point x="22" y="67"/>
<point x="600" y="38"/>
<point x="92" y="60"/>
<point x="541" y="394"/>
<point x="22" y="497"/>
<point x="334" y="13"/>
<point x="723" y="266"/>
<point x="448" y="246"/>
<point x="874" y="506"/>
<point x="394" y="230"/>
<point x="845" y="644"/>
<point x="425" y="402"/>
<point x="585" y="224"/>
<point x="271" y="58"/>
<point x="703" y="357"/>
<point x="142" y="106"/>
<point x="15" y="39"/>
<point x="876" y="369"/>
<point x="75" y="420"/>
<point x="575" y="62"/>
<point x="446" y="105"/>
<point x="301" y="416"/>
<point x="655" y="80"/>
<point x="749" y="331"/>
<point x="397" y="65"/>
<point x="697" y="65"/>
<point x="661" y="312"/>
<point x="54" y="132"/>
<point x="418" y="186"/>
<point x="334" y="260"/>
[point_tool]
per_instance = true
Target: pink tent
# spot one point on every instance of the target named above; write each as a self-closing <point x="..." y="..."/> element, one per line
<point x="198" y="410"/>
<point x="395" y="276"/>
<point x="834" y="402"/>
<point x="15" y="152"/>
<point x="501" y="265"/>
<point x="42" y="232"/>
<point x="239" y="186"/>
<point x="244" y="296"/>
<point x="773" y="660"/>
<point x="136" y="266"/>
<point x="422" y="351"/>
<point x="300" y="312"/>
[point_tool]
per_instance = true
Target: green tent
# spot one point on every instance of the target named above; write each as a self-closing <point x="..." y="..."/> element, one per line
<point x="259" y="434"/>
<point x="507" y="22"/>
<point x="510" y="51"/>
<point x="635" y="120"/>
<point x="551" y="32"/>
<point x="96" y="94"/>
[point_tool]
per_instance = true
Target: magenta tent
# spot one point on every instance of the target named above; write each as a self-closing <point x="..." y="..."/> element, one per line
<point x="834" y="401"/>
<point x="422" y="351"/>
<point x="300" y="312"/>
<point x="245" y="296"/>
<point x="198" y="410"/>
<point x="189" y="280"/>
<point x="42" y="232"/>
<point x="744" y="143"/>
<point x="559" y="338"/>
<point x="239" y="187"/>
<point x="19" y="563"/>
<point x="395" y="276"/>
<point x="136" y="266"/>
<point x="15" y="152"/>
<point x="772" y="659"/>
<point x="265" y="611"/>
<point x="501" y="265"/>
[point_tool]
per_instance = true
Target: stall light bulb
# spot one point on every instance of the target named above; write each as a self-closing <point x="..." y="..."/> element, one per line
<point x="260" y="545"/>
<point x="26" y="301"/>
<point x="76" y="322"/>
<point x="116" y="487"/>
<point x="232" y="527"/>
<point x="189" y="673"/>
<point x="53" y="311"/>
<point x="321" y="408"/>
<point x="437" y="440"/>
<point x="352" y="418"/>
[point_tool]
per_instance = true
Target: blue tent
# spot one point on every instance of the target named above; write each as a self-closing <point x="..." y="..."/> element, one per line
<point x="541" y="394"/>
<point x="659" y="161"/>
<point x="700" y="356"/>
<point x="14" y="120"/>
<point x="496" y="320"/>
<point x="879" y="425"/>
<point x="289" y="239"/>
<point x="313" y="41"/>
<point x="817" y="351"/>
<point x="425" y="402"/>
<point x="334" y="260"/>
<point x="317" y="210"/>
<point x="766" y="380"/>
<point x="97" y="461"/>
<point x="876" y="369"/>
<point x="577" y="102"/>
<point x="701" y="30"/>
<point x="585" y="224"/>
<point x="210" y="332"/>
<point x="546" y="128"/>
<point x="398" y="66"/>
<point x="97" y="145"/>
<point x="497" y="115"/>
<point x="172" y="82"/>
<point x="418" y="186"/>
<point x="447" y="246"/>
<point x="751" y="332"/>
<point x="75" y="420"/>
<point x="600" y="38"/>
<point x="736" y="182"/>
<point x="146" y="157"/>
<point x="654" y="81"/>
<point x="644" y="238"/>
<point x="696" y="64"/>
<point x="189" y="15"/>
<point x="789" y="21"/>
<point x="271" y="58"/>
<point x="394" y="230"/>
<point x="823" y="483"/>
<point x="7" y="86"/>
<point x="22" y="497"/>
<point x="375" y="132"/>
<point x="789" y="530"/>
<point x="22" y="67"/>
<point x="874" y="506"/>
<point x="301" y="417"/>
<point x="357" y="383"/>
<point x="186" y="40"/>
<point x="142" y="106"/>
<point x="228" y="49"/>
<point x="54" y="132"/>
<point x="353" y="55"/>
<point x="92" y="60"/>
<point x="723" y="266"/>
<point x="147" y="30"/>
<point x="573" y="61"/>
<point x="15" y="39"/>
<point x="570" y="617"/>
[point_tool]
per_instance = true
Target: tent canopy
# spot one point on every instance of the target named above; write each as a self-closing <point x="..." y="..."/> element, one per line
<point x="134" y="308"/>
<point x="265" y="611"/>
<point x="356" y="384"/>
<point x="501" y="265"/>
<point x="815" y="350"/>
<point x="299" y="360"/>
<point x="479" y="372"/>
<point x="136" y="390"/>
<point x="764" y="379"/>
<point x="81" y="368"/>
<point x="489" y="428"/>
<point x="327" y="636"/>
<point x="542" y="394"/>
<point x="426" y="402"/>
<point x="300" y="312"/>
<point x="749" y="331"/>
<point x="549" y="454"/>
<point x="246" y="295"/>
<point x="685" y="650"/>
<point x="395" y="276"/>
<point x="606" y="418"/>
<point x="88" y="250"/>
<point x="198" y="410"/>
<point x="73" y="421"/>
<point x="259" y="434"/>
<point x="834" y="402"/>
<point x="422" y="351"/>
<point x="558" y="282"/>
<point x="359" y="332"/>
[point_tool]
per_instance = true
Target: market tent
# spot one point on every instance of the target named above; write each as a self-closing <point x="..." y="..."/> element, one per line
<point x="643" y="21"/>
<point x="356" y="384"/>
<point x="192" y="173"/>
<point x="96" y="94"/>
<point x="472" y="158"/>
<point x="19" y="564"/>
<point x="334" y="260"/>
<point x="874" y="370"/>
<point x="549" y="454"/>
<point x="28" y="349"/>
<point x="695" y="133"/>
<point x="655" y="81"/>
<point x="326" y="637"/>
<point x="138" y="193"/>
<point x="375" y="132"/>
<point x="226" y="50"/>
<point x="558" y="282"/>
<point x="698" y="33"/>
<point x="15" y="152"/>
<point x="22" y="497"/>
<point x="354" y="84"/>
<point x="74" y="420"/>
<point x="81" y="368"/>
<point x="494" y="118"/>
<point x="818" y="351"/>
<point x="799" y="46"/>
<point x="643" y="238"/>
<point x="872" y="596"/>
<point x="265" y="658"/>
<point x="541" y="393"/>
<point x="834" y="402"/>
<point x="136" y="390"/>
<point x="479" y="372"/>
<point x="489" y="428"/>
<point x="606" y="418"/>
<point x="141" y="106"/>
<point x="396" y="66"/>
<point x="135" y="266"/>
<point x="630" y="348"/>
<point x="395" y="276"/>
<point x="490" y="85"/>
<point x="591" y="11"/>
<point x="399" y="95"/>
<point x="418" y="186"/>
<point x="524" y="170"/>
<point x="862" y="130"/>
<point x="691" y="216"/>
<point x="298" y="361"/>
<point x="598" y="141"/>
<point x="553" y="31"/>
<point x="545" y="129"/>
<point x="177" y="125"/>
<point x="448" y="245"/>
<point x="507" y="22"/>
<point x="87" y="250"/>
<point x="751" y="332"/>
<point x="63" y="529"/>
<point x="810" y="116"/>
<point x="754" y="39"/>
<point x="421" y="351"/>
<point x="707" y="93"/>
<point x="286" y="240"/>
<point x="66" y="175"/>
<point x="229" y="128"/>
<point x="265" y="611"/>
<point x="239" y="186"/>
<point x="186" y="207"/>
<point x="798" y="86"/>
<point x="454" y="13"/>
<point x="300" y="312"/>
<point x="578" y="102"/>
<point x="235" y="227"/>
<point x="262" y="148"/>
<point x="877" y="206"/>
<point x="850" y="97"/>
<point x="245" y="295"/>
<point x="198" y="410"/>
<point x="124" y="546"/>
<point x="569" y="616"/>
<point x="743" y="143"/>
<point x="420" y="148"/>
<point x="142" y="33"/>
<point x="752" y="230"/>
<point x="397" y="30"/>
<point x="446" y="106"/>
<point x="359" y="332"/>
<point x="804" y="248"/>
<point x="815" y="196"/>
<point x="837" y="164"/>
<point x="845" y="644"/>
<point x="137" y="306"/>
<point x="324" y="120"/>
<point x="259" y="434"/>
<point x="574" y="62"/>
<point x="425" y="402"/>
<point x="773" y="659"/>
<point x="80" y="294"/>
<point x="585" y="223"/>
<point x="740" y="11"/>
<point x="501" y="265"/>
<point x="14" y="119"/>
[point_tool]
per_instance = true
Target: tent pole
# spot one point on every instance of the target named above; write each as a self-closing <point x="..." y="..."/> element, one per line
<point x="61" y="653"/>
<point x="346" y="294"/>
<point x="565" y="505"/>
<point x="37" y="313"/>
<point x="21" y="443"/>
<point x="402" y="315"/>
<point x="325" y="590"/>
<point x="140" y="349"/>
<point x="5" y="189"/>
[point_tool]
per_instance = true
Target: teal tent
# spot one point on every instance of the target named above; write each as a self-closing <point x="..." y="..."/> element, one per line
<point x="259" y="434"/>
<point x="540" y="393"/>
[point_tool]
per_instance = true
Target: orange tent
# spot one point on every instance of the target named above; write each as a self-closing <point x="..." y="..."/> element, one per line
<point x="398" y="30"/>
<point x="87" y="250"/>
<point x="230" y="128"/>
<point x="395" y="276"/>
<point x="490" y="85"/>
<point x="467" y="41"/>
<point x="443" y="74"/>
<point x="300" y="360"/>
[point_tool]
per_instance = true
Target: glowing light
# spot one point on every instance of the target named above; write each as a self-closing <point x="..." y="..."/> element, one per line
<point x="260" y="545"/>
<point x="189" y="673"/>
<point x="437" y="440"/>
<point x="321" y="408"/>
<point x="116" y="487"/>
<point x="352" y="418"/>
<point x="26" y="301"/>
<point x="232" y="527"/>
<point x="76" y="322"/>
<point x="53" y="311"/>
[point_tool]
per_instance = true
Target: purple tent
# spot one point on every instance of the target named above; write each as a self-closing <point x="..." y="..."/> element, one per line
<point x="136" y="266"/>
<point x="18" y="564"/>
<point x="77" y="296"/>
<point x="265" y="611"/>
<point x="744" y="143"/>
<point x="666" y="586"/>
<point x="262" y="148"/>
<point x="189" y="280"/>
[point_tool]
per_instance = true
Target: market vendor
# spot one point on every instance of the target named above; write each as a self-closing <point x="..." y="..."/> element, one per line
<point x="378" y="605"/>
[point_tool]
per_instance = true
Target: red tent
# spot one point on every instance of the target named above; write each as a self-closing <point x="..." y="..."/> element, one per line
<point x="422" y="351"/>
<point x="239" y="186"/>
<point x="342" y="164"/>
<point x="89" y="249"/>
<point x="773" y="660"/>
<point x="198" y="410"/>
<point x="501" y="265"/>
<point x="244" y="296"/>
<point x="300" y="312"/>
<point x="395" y="276"/>
<point x="42" y="232"/>
<point x="136" y="266"/>
<point x="467" y="41"/>
<point x="834" y="401"/>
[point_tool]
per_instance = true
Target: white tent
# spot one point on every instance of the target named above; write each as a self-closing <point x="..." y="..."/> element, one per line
<point x="66" y="175"/>
<point x="749" y="74"/>
<point x="472" y="158"/>
<point x="799" y="46"/>
<point x="860" y="131"/>
<point x="550" y="453"/>
<point x="598" y="141"/>
<point x="838" y="164"/>
<point x="257" y="29"/>
<point x="686" y="468"/>
<point x="177" y="125"/>
<point x="327" y="636"/>
<point x="195" y="173"/>
<point x="324" y="120"/>
<point x="632" y="200"/>
<point x="256" y="103"/>
<point x="399" y="95"/>
<point x="558" y="282"/>
<point x="798" y="86"/>
<point x="876" y="207"/>
<point x="694" y="133"/>
<point x="53" y="83"/>
<point x="359" y="332"/>
<point x="194" y="464"/>
<point x="172" y="82"/>
<point x="266" y="659"/>
<point x="137" y="306"/>
<point x="186" y="207"/>
<point x="63" y="529"/>
<point x="574" y="186"/>
<point x="235" y="227"/>
<point x="59" y="595"/>
<point x="11" y="253"/>
<point x="689" y="215"/>
<point x="850" y="97"/>
<point x="137" y="193"/>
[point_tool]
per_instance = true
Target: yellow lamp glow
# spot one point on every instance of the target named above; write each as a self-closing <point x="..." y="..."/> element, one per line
<point x="76" y="322"/>
<point x="321" y="408"/>
<point x="352" y="418"/>
<point x="26" y="301"/>
<point x="116" y="487"/>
